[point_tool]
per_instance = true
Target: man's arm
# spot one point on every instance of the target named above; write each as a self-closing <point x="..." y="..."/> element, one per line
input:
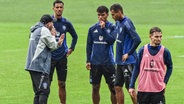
<point x="110" y="37"/>
<point x="49" y="40"/>
<point x="89" y="44"/>
<point x="135" y="74"/>
<point x="74" y="36"/>
<point x="136" y="40"/>
<point x="136" y="69"/>
<point x="73" y="33"/>
<point x="169" y="65"/>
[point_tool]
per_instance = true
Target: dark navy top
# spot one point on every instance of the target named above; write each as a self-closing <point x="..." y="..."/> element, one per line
<point x="153" y="51"/>
<point x="127" y="41"/>
<point x="62" y="25"/>
<point x="99" y="49"/>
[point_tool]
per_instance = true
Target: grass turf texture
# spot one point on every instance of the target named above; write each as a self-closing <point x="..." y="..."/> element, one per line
<point x="18" y="15"/>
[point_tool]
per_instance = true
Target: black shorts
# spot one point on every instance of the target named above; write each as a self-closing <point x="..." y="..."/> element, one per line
<point x="123" y="75"/>
<point x="151" y="97"/>
<point x="61" y="68"/>
<point x="97" y="71"/>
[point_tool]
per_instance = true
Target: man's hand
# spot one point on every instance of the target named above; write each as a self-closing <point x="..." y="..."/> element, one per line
<point x="61" y="39"/>
<point x="132" y="92"/>
<point x="69" y="52"/>
<point x="102" y="24"/>
<point x="125" y="57"/>
<point x="53" y="31"/>
<point x="88" y="66"/>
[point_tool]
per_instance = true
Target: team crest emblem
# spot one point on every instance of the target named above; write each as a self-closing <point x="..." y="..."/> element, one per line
<point x="108" y="31"/>
<point x="64" y="27"/>
<point x="100" y="38"/>
<point x="152" y="63"/>
<point x="45" y="85"/>
<point x="120" y="30"/>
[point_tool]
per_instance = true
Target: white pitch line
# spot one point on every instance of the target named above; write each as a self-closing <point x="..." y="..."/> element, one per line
<point x="13" y="50"/>
<point x="181" y="56"/>
<point x="178" y="67"/>
<point x="176" y="36"/>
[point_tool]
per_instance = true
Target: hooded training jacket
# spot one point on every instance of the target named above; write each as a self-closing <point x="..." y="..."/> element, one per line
<point x="41" y="43"/>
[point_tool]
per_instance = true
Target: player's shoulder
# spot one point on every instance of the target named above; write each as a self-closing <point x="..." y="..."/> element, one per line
<point x="166" y="50"/>
<point x="142" y="48"/>
<point x="65" y="20"/>
<point x="94" y="26"/>
<point x="127" y="19"/>
<point x="127" y="22"/>
<point x="110" y="24"/>
<point x="45" y="30"/>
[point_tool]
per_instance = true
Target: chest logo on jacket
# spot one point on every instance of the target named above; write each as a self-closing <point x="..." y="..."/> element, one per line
<point x="120" y="29"/>
<point x="96" y="31"/>
<point x="100" y="38"/>
<point x="64" y="27"/>
<point x="108" y="30"/>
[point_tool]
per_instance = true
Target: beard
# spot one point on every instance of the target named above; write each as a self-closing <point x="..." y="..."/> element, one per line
<point x="157" y="44"/>
<point x="58" y="15"/>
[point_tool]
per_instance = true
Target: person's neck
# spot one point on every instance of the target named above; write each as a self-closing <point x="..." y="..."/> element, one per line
<point x="121" y="18"/>
<point x="153" y="45"/>
<point x="105" y="21"/>
<point x="57" y="17"/>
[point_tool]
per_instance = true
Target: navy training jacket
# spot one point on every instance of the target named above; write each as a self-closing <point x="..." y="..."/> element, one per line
<point x="99" y="48"/>
<point x="127" y="41"/>
<point x="62" y="25"/>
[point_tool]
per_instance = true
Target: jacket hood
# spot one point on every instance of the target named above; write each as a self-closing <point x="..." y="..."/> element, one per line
<point x="38" y="25"/>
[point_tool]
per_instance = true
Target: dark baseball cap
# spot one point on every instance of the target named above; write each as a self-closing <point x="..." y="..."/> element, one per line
<point x="46" y="18"/>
